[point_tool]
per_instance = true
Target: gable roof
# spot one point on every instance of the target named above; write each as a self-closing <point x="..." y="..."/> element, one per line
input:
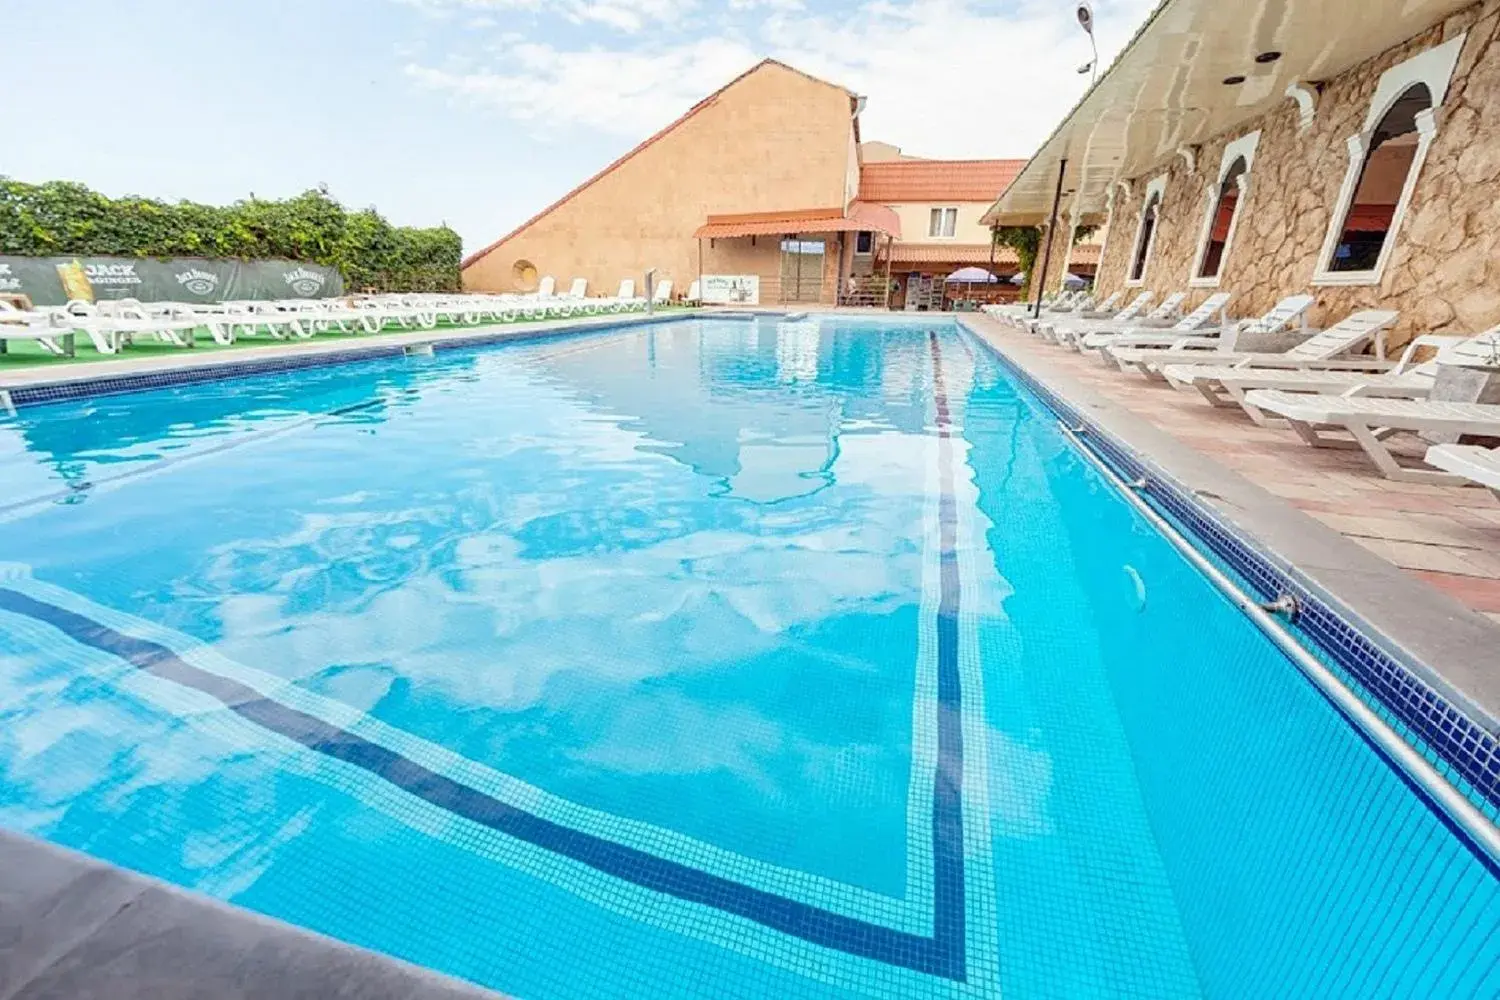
<point x="652" y="139"/>
<point x="898" y="181"/>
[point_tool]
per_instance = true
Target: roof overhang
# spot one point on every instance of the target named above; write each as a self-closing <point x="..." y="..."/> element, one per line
<point x="859" y="216"/>
<point x="1166" y="90"/>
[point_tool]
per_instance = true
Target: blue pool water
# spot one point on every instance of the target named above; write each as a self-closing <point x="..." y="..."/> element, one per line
<point x="709" y="658"/>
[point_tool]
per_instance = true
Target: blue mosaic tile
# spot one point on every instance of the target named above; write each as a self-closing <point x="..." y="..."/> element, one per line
<point x="1461" y="747"/>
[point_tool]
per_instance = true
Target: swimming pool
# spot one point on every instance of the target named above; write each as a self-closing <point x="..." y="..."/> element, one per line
<point x="708" y="658"/>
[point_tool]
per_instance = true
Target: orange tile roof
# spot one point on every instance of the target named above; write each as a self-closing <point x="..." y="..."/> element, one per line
<point x="860" y="216"/>
<point x="1084" y="255"/>
<point x="897" y="181"/>
<point x="651" y="139"/>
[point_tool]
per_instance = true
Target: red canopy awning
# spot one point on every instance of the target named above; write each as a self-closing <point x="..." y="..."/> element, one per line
<point x="860" y="216"/>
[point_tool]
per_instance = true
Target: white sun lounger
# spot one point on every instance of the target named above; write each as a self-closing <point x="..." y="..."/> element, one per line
<point x="112" y="325"/>
<point x="1165" y="313"/>
<point x="694" y="295"/>
<point x="625" y="298"/>
<point x="1070" y="333"/>
<point x="39" y="327"/>
<point x="1194" y="327"/>
<point x="662" y="294"/>
<point x="1061" y="305"/>
<point x="1409" y="379"/>
<point x="1107" y="308"/>
<point x="1147" y="354"/>
<point x="1476" y="464"/>
<point x="1371" y="421"/>
<point x="1200" y="369"/>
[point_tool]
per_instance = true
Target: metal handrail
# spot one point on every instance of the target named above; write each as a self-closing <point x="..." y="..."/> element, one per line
<point x="1449" y="798"/>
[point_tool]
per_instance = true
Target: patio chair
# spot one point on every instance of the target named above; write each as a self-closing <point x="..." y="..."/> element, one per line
<point x="1372" y="421"/>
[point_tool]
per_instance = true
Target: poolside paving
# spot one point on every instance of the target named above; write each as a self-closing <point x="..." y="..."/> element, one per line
<point x="1446" y="536"/>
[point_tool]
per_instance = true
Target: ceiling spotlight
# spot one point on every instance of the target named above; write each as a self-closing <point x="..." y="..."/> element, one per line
<point x="1268" y="57"/>
<point x="1230" y="81"/>
<point x="1085" y="68"/>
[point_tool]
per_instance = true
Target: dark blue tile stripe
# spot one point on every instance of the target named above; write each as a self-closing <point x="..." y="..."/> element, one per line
<point x="1463" y="746"/>
<point x="943" y="954"/>
<point x="947" y="798"/>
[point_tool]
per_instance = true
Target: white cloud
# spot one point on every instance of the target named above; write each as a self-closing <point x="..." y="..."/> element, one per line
<point x="954" y="78"/>
<point x="628" y="93"/>
<point x="624" y="15"/>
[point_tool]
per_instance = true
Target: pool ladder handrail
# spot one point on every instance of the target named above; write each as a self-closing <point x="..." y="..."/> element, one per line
<point x="1454" y="803"/>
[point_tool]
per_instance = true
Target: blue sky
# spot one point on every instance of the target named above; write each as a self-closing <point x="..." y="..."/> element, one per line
<point x="480" y="112"/>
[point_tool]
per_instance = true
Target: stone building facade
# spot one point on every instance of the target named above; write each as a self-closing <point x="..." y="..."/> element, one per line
<point x="1443" y="271"/>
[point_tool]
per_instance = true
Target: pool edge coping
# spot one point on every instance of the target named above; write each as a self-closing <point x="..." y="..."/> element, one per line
<point x="40" y="384"/>
<point x="1412" y="622"/>
<point x="69" y="917"/>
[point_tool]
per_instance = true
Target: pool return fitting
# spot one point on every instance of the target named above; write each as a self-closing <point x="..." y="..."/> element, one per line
<point x="1455" y="804"/>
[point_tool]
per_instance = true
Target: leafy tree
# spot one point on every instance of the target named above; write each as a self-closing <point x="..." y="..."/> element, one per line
<point x="1026" y="241"/>
<point x="60" y="218"/>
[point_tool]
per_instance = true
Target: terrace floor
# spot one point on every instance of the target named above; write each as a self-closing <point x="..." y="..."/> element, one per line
<point x="1447" y="536"/>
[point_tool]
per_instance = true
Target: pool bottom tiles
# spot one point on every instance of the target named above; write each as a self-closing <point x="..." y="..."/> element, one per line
<point x="730" y="659"/>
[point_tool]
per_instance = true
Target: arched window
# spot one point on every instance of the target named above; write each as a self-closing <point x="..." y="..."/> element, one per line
<point x="1367" y="221"/>
<point x="1385" y="162"/>
<point x="1221" y="223"/>
<point x="1145" y="237"/>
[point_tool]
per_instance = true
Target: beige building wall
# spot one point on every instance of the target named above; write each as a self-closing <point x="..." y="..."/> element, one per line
<point x="915" y="218"/>
<point x="772" y="140"/>
<point x="1444" y="273"/>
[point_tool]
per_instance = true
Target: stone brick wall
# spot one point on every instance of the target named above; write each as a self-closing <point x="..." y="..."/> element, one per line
<point x="1444" y="273"/>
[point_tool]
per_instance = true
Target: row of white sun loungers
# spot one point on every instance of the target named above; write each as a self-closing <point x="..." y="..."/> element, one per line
<point x="1324" y="386"/>
<point x="109" y="326"/>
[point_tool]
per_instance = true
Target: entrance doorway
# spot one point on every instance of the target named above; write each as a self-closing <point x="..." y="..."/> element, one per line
<point x="802" y="269"/>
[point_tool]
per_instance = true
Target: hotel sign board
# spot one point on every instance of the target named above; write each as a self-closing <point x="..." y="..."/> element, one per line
<point x="730" y="289"/>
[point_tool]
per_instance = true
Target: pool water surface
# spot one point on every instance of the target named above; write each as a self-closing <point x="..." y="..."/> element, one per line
<point x="705" y="658"/>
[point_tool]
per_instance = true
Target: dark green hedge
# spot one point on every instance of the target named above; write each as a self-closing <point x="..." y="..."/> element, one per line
<point x="60" y="217"/>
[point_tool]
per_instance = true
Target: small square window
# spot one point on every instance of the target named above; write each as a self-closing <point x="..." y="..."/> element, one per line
<point x="942" y="223"/>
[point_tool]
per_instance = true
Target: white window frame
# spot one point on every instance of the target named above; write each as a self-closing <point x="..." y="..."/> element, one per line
<point x="1433" y="67"/>
<point x="1156" y="189"/>
<point x="942" y="214"/>
<point x="1244" y="146"/>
